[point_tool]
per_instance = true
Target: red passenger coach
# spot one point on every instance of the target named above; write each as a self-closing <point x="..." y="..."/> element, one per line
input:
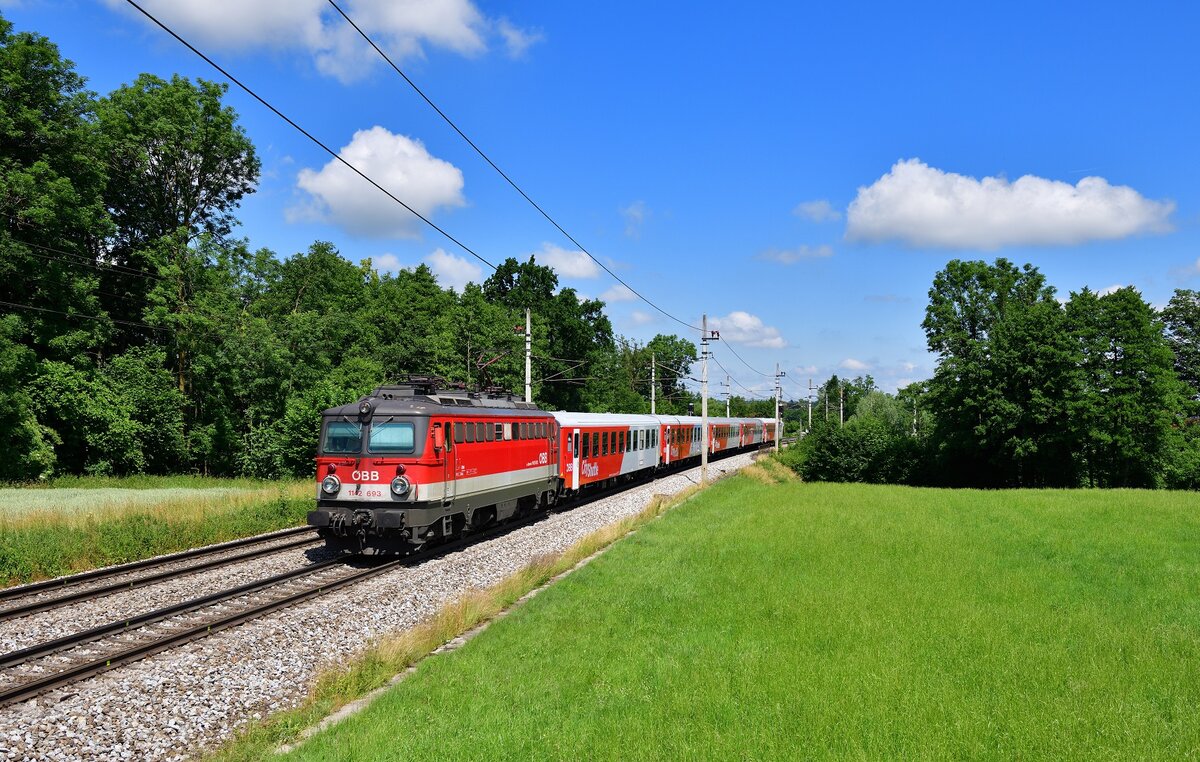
<point x="602" y="447"/>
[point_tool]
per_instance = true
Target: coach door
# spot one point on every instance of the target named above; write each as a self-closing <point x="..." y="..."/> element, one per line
<point x="449" y="463"/>
<point x="575" y="459"/>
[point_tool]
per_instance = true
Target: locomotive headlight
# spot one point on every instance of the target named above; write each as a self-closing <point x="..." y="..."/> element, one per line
<point x="401" y="486"/>
<point x="365" y="408"/>
<point x="330" y="485"/>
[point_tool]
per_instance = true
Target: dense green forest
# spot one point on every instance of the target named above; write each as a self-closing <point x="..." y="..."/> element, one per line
<point x="137" y="335"/>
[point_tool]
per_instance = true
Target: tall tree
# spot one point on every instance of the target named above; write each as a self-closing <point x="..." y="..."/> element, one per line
<point x="1129" y="398"/>
<point x="1181" y="321"/>
<point x="998" y="394"/>
<point x="52" y="216"/>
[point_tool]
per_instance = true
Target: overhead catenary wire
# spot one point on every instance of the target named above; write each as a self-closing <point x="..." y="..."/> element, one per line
<point x="501" y="172"/>
<point x="729" y="346"/>
<point x="82" y="316"/>
<point x="753" y="395"/>
<point x="308" y="134"/>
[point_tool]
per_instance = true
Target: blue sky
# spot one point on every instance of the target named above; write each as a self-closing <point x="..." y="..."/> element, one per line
<point x="798" y="173"/>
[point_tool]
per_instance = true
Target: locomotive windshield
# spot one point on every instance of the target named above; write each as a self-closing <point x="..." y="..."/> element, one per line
<point x="391" y="437"/>
<point x="342" y="438"/>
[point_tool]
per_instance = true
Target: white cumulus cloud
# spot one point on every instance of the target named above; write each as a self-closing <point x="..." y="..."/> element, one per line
<point x="402" y="28"/>
<point x="618" y="293"/>
<point x="567" y="264"/>
<point x="851" y="364"/>
<point x="1111" y="289"/>
<point x="641" y="318"/>
<point x="401" y="165"/>
<point x="792" y="256"/>
<point x="923" y="206"/>
<point x="453" y="271"/>
<point x="817" y="211"/>
<point x="743" y="328"/>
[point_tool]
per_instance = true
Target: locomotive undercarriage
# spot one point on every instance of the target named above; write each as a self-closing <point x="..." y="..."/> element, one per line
<point x="362" y="527"/>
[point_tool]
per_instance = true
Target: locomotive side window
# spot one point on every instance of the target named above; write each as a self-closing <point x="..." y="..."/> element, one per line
<point x="489" y="431"/>
<point x="458" y="434"/>
<point x="391" y="437"/>
<point x="342" y="437"/>
<point x="470" y="427"/>
<point x="479" y="433"/>
<point x="499" y="427"/>
<point x="516" y="431"/>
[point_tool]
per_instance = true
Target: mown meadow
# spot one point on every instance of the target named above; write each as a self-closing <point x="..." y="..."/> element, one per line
<point x="804" y="620"/>
<point x="79" y="523"/>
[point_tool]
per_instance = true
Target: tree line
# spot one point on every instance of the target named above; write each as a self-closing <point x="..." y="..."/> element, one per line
<point x="1097" y="390"/>
<point x="137" y="336"/>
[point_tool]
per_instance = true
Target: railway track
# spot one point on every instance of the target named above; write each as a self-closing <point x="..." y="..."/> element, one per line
<point x="77" y="592"/>
<point x="38" y="669"/>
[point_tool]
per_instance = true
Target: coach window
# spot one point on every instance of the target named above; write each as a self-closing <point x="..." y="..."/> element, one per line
<point x="595" y="443"/>
<point x="604" y="443"/>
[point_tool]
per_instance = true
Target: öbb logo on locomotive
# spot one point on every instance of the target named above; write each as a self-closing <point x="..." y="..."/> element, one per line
<point x="424" y="462"/>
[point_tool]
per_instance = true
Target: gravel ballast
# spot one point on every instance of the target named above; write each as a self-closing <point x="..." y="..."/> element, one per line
<point x="177" y="703"/>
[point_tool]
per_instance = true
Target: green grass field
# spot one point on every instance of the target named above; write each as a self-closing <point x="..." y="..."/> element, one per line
<point x="76" y="524"/>
<point x="816" y="620"/>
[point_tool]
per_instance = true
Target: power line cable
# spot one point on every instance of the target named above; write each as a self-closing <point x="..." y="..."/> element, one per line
<point x="508" y="179"/>
<point x="753" y="395"/>
<point x="307" y="134"/>
<point x="81" y="315"/>
<point x="748" y="365"/>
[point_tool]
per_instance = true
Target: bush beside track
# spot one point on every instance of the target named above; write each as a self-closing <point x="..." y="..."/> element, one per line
<point x="835" y="621"/>
<point x="42" y="543"/>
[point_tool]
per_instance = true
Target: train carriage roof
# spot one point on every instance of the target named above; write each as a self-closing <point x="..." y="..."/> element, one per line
<point x="429" y="398"/>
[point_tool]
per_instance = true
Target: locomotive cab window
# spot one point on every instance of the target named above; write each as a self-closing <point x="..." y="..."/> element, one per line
<point x="391" y="437"/>
<point x="342" y="437"/>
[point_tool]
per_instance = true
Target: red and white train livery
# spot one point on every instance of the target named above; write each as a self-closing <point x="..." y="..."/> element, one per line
<point x="412" y="464"/>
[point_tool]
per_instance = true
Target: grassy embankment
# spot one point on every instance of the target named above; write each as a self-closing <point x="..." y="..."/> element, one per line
<point x="74" y="524"/>
<point x="818" y="620"/>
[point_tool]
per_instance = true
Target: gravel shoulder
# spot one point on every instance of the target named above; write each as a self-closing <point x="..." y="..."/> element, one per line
<point x="175" y="704"/>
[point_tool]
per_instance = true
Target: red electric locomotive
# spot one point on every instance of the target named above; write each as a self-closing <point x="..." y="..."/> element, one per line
<point x="414" y="463"/>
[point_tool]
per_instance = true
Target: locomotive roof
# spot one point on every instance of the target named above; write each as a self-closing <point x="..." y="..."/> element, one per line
<point x="420" y="399"/>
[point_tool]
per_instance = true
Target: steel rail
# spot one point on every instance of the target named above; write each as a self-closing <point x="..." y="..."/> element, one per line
<point x="76" y="672"/>
<point x="116" y="587"/>
<point x="23" y="655"/>
<point x="112" y="571"/>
